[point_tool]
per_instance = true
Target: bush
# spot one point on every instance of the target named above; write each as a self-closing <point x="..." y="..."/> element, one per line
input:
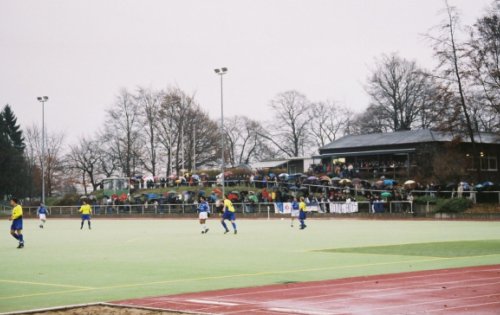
<point x="423" y="200"/>
<point x="453" y="205"/>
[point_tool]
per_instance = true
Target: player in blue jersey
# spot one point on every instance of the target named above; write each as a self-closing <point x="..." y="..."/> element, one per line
<point x="204" y="211"/>
<point x="42" y="215"/>
<point x="295" y="210"/>
<point x="16" y="229"/>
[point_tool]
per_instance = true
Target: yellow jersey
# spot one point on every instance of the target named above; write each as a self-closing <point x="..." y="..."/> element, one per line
<point x="17" y="212"/>
<point x="228" y="205"/>
<point x="85" y="209"/>
<point x="302" y="206"/>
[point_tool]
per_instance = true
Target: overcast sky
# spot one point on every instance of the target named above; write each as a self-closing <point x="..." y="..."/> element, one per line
<point x="80" y="53"/>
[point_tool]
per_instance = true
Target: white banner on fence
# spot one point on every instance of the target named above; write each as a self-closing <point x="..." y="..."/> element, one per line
<point x="283" y="207"/>
<point x="286" y="207"/>
<point x="348" y="207"/>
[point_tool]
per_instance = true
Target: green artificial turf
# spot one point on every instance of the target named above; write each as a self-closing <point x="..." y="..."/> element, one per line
<point x="120" y="259"/>
<point x="432" y="249"/>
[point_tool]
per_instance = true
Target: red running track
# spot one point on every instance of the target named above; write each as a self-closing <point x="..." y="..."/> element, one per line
<point x="473" y="290"/>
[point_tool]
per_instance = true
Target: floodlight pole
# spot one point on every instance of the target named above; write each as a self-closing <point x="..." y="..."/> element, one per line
<point x="43" y="99"/>
<point x="221" y="73"/>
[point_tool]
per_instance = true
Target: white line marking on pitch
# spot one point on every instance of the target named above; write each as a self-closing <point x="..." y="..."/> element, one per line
<point x="212" y="302"/>
<point x="294" y="311"/>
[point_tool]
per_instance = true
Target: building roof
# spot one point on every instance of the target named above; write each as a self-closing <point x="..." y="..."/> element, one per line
<point x="403" y="137"/>
<point x="268" y="164"/>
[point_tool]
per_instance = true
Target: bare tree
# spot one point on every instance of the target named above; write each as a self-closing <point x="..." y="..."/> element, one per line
<point x="327" y="121"/>
<point x="122" y="132"/>
<point x="244" y="143"/>
<point x="53" y="158"/>
<point x="484" y="68"/>
<point x="372" y="120"/>
<point x="451" y="55"/>
<point x="400" y="89"/>
<point x="86" y="157"/>
<point x="149" y="102"/>
<point x="202" y="135"/>
<point x="186" y="133"/>
<point x="290" y="132"/>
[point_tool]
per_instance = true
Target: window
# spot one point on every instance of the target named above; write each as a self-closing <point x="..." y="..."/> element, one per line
<point x="489" y="163"/>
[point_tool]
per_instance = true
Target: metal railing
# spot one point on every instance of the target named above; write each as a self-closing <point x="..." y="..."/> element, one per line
<point x="245" y="209"/>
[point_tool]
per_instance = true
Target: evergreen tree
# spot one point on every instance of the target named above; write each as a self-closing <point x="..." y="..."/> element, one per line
<point x="12" y="129"/>
<point x="13" y="165"/>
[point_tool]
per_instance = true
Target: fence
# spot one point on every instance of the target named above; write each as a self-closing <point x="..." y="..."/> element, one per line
<point x="245" y="209"/>
<point x="146" y="210"/>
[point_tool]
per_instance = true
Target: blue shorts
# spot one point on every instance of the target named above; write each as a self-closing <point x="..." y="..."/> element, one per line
<point x="302" y="215"/>
<point x="85" y="217"/>
<point x="228" y="215"/>
<point x="17" y="224"/>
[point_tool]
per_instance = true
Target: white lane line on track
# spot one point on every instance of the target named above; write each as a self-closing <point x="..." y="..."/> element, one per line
<point x="373" y="278"/>
<point x="211" y="302"/>
<point x="296" y="311"/>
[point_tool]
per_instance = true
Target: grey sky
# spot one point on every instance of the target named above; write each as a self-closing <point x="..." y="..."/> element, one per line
<point x="80" y="53"/>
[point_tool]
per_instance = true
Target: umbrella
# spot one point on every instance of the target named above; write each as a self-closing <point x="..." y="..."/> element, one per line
<point x="294" y="188"/>
<point x="486" y="184"/>
<point x="152" y="196"/>
<point x="389" y="182"/>
<point x="325" y="178"/>
<point x="465" y="184"/>
<point x="303" y="176"/>
<point x="345" y="181"/>
<point x="312" y="178"/>
<point x="410" y="184"/>
<point x="479" y="186"/>
<point x="379" y="183"/>
<point x="356" y="181"/>
<point x="336" y="178"/>
<point x="283" y="175"/>
<point x="196" y="177"/>
<point x="386" y="194"/>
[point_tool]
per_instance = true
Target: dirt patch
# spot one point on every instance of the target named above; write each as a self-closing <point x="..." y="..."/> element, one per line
<point x="105" y="309"/>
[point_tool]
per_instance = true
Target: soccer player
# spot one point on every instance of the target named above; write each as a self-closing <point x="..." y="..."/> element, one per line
<point x="302" y="213"/>
<point x="204" y="210"/>
<point x="86" y="211"/>
<point x="42" y="214"/>
<point x="229" y="214"/>
<point x="295" y="210"/>
<point x="16" y="229"/>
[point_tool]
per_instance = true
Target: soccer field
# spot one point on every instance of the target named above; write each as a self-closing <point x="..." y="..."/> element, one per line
<point x="120" y="259"/>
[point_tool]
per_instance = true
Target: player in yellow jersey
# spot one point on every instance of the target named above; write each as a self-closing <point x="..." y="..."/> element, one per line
<point x="16" y="229"/>
<point x="86" y="211"/>
<point x="229" y="214"/>
<point x="302" y="213"/>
